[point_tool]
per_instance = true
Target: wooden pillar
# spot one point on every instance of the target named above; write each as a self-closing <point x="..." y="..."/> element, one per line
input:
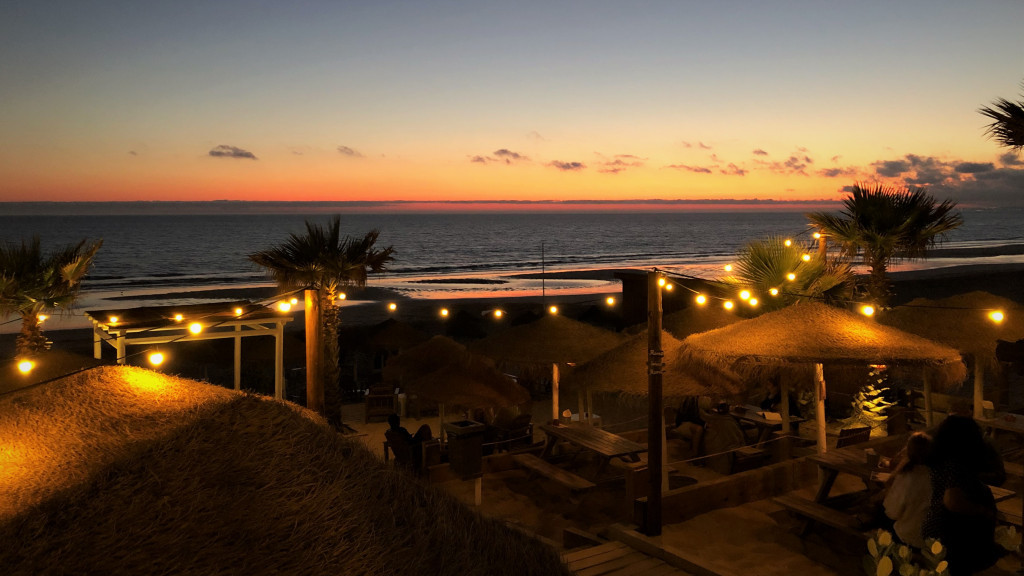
<point x="784" y="405"/>
<point x="238" y="360"/>
<point x="655" y="412"/>
<point x="819" y="402"/>
<point x="590" y="408"/>
<point x="279" y="361"/>
<point x="97" y="342"/>
<point x="314" y="382"/>
<point x="554" y="394"/>
<point x="928" y="418"/>
<point x="979" y="386"/>
<point x="583" y="409"/>
<point x="120" y="346"/>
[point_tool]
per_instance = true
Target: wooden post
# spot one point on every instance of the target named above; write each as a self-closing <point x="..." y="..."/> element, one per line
<point x="655" y="412"/>
<point x="554" y="394"/>
<point x="979" y="386"/>
<point x="279" y="361"/>
<point x="97" y="341"/>
<point x="819" y="398"/>
<point x="583" y="409"/>
<point x="238" y="358"/>
<point x="121" y="349"/>
<point x="928" y="419"/>
<point x="786" y="447"/>
<point x="314" y="381"/>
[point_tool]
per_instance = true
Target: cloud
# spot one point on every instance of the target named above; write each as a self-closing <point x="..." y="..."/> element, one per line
<point x="503" y="155"/>
<point x="760" y="152"/>
<point x="1011" y="159"/>
<point x="835" y="158"/>
<point x="695" y="169"/>
<point x="891" y="168"/>
<point x="225" y="151"/>
<point x="974" y="167"/>
<point x="703" y="146"/>
<point x="478" y="159"/>
<point x="733" y="170"/>
<point x="792" y="165"/>
<point x="567" y="166"/>
<point x="133" y="152"/>
<point x="837" y="172"/>
<point x="536" y="136"/>
<point x="620" y="162"/>
<point x="700" y="145"/>
<point x="346" y="151"/>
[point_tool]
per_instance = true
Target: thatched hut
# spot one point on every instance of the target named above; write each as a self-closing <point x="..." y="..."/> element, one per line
<point x="962" y="322"/>
<point x="212" y="481"/>
<point x="812" y="333"/>
<point x="698" y="319"/>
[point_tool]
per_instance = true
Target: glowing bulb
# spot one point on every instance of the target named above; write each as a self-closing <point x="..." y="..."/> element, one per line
<point x="444" y="312"/>
<point x="26" y="366"/>
<point x="342" y="296"/>
<point x="41" y="318"/>
<point x="996" y="316"/>
<point x="669" y="287"/>
<point x="790" y="276"/>
<point x="773" y="291"/>
<point x="728" y="305"/>
<point x="701" y="299"/>
<point x="806" y="257"/>
<point x="113" y="319"/>
<point x="817" y="235"/>
<point x="753" y="301"/>
<point x="553" y="310"/>
<point x="661" y="281"/>
<point x="392" y="306"/>
<point x="867" y="310"/>
<point x="284" y="306"/>
<point x="239" y="311"/>
<point x="294" y="301"/>
<point x="195" y="327"/>
<point x="610" y="301"/>
<point x="178" y="317"/>
<point x="728" y="267"/>
<point x="498" y="313"/>
<point x="788" y="242"/>
<point x="745" y="295"/>
<point x="156" y="358"/>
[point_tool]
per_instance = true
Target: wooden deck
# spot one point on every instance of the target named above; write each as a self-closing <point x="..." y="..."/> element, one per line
<point x="617" y="559"/>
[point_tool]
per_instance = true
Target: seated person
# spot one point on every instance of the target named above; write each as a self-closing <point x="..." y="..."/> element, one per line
<point x="772" y="401"/>
<point x="688" y="426"/>
<point x="396" y="433"/>
<point x="909" y="493"/>
<point x="722" y="435"/>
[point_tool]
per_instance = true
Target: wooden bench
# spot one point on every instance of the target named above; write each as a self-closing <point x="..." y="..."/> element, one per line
<point x="812" y="511"/>
<point x="853" y="436"/>
<point x="1000" y="494"/>
<point x="548" y="470"/>
<point x="748" y="458"/>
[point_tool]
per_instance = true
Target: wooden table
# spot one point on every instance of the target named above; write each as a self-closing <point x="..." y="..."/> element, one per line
<point x="765" y="427"/>
<point x="849" y="460"/>
<point x="1004" y="421"/>
<point x="604" y="443"/>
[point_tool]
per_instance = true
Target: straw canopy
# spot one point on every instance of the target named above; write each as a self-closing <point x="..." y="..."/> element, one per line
<point x="549" y="340"/>
<point x="698" y="319"/>
<point x="394" y="335"/>
<point x="961" y="321"/>
<point x="813" y="333"/>
<point x="623" y="371"/>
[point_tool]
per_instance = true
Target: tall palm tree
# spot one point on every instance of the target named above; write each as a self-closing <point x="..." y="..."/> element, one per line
<point x="883" y="225"/>
<point x="764" y="268"/>
<point x="1007" y="127"/>
<point x="33" y="282"/>
<point x="325" y="261"/>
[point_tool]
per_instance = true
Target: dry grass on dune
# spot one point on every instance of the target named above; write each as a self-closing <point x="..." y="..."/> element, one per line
<point x="245" y="485"/>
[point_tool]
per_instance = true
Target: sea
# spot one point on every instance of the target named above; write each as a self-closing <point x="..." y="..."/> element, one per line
<point x="437" y="254"/>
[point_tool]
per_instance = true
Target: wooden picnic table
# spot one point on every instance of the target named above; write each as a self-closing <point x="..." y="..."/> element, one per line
<point x="1004" y="421"/>
<point x="849" y="460"/>
<point x="604" y="443"/>
<point x="753" y="415"/>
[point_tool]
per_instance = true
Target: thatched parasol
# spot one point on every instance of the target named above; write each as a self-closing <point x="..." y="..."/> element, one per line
<point x="961" y="322"/>
<point x="813" y="333"/>
<point x="697" y="319"/>
<point x="550" y="340"/>
<point x="394" y="335"/>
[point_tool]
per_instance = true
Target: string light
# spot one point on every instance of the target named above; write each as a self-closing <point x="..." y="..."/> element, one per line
<point x="817" y="235"/>
<point x="867" y="310"/>
<point x="284" y="306"/>
<point x="791" y="276"/>
<point x="294" y="301"/>
<point x="610" y="301"/>
<point x="113" y="319"/>
<point x="788" y="242"/>
<point x="498" y="313"/>
<point x="239" y="311"/>
<point x="26" y="366"/>
<point x="342" y="296"/>
<point x="728" y="267"/>
<point x="661" y="281"/>
<point x="745" y="295"/>
<point x="996" y="316"/>
<point x="41" y="318"/>
<point x="392" y="306"/>
<point x="669" y="287"/>
<point x="444" y="312"/>
<point x="178" y="317"/>
<point x="806" y="257"/>
<point x="728" y="305"/>
<point x="753" y="302"/>
<point x="156" y="358"/>
<point x="195" y="327"/>
<point x="553" y="310"/>
<point x="701" y="299"/>
<point x="773" y="291"/>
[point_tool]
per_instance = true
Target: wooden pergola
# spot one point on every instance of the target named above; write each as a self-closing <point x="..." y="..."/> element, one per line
<point x="165" y="324"/>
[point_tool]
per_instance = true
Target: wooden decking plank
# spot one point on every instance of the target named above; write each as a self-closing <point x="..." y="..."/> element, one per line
<point x="603" y="558"/>
<point x="575" y="555"/>
<point x="637" y="568"/>
<point x="666" y="570"/>
<point x="611" y="565"/>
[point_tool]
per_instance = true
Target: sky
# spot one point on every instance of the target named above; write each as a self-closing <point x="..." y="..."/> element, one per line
<point x="437" y="101"/>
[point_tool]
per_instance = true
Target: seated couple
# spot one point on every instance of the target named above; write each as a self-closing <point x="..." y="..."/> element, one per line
<point x="707" y="430"/>
<point x="407" y="448"/>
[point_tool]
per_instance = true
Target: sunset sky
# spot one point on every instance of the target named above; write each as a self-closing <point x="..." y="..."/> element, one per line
<point x="481" y="100"/>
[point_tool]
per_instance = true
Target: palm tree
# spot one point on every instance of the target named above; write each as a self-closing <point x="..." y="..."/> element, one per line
<point x="1007" y="127"/>
<point x="32" y="282"/>
<point x="885" y="224"/>
<point x="764" y="267"/>
<point x="323" y="260"/>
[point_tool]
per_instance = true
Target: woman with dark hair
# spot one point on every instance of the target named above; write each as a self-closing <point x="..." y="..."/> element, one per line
<point x="962" y="513"/>
<point x="910" y="490"/>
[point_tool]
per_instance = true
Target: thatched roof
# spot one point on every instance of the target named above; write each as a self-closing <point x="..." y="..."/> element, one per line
<point x="809" y="333"/>
<point x="696" y="319"/>
<point x="623" y="371"/>
<point x="443" y="370"/>
<point x="210" y="481"/>
<point x="552" y="339"/>
<point x="960" y="321"/>
<point x="394" y="335"/>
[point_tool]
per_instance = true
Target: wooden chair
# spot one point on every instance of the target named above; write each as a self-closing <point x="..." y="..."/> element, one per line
<point x="380" y="401"/>
<point x="853" y="436"/>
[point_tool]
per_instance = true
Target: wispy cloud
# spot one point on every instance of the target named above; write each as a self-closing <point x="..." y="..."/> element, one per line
<point x="503" y="155"/>
<point x="567" y="166"/>
<point x="848" y="172"/>
<point x="694" y="169"/>
<point x="619" y="162"/>
<point x="536" y="136"/>
<point x="733" y="170"/>
<point x="974" y="167"/>
<point x="700" y="145"/>
<point x="760" y="152"/>
<point x="225" y="151"/>
<point x="351" y="153"/>
<point x="1011" y="159"/>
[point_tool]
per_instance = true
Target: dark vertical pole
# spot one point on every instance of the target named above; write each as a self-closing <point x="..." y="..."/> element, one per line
<point x="655" y="415"/>
<point x="543" y="267"/>
<point x="314" y="379"/>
